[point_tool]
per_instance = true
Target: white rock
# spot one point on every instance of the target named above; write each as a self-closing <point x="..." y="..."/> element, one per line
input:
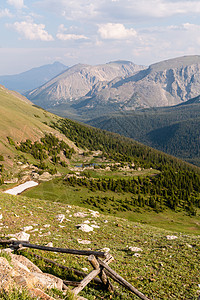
<point x="137" y="254"/>
<point x="85" y="227"/>
<point x="171" y="237"/>
<point x="27" y="228"/>
<point x="94" y="213"/>
<point x="104" y="249"/>
<point x="1" y="216"/>
<point x="105" y="221"/>
<point x="50" y="244"/>
<point x="189" y="246"/>
<point x="85" y="269"/>
<point x="34" y="230"/>
<point x="134" y="249"/>
<point x="84" y="242"/>
<point x="20" y="236"/>
<point x="95" y="226"/>
<point x="60" y="218"/>
<point x="80" y="215"/>
<point x="86" y="222"/>
<point x="47" y="225"/>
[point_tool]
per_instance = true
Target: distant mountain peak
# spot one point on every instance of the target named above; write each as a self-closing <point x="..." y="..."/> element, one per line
<point x="32" y="78"/>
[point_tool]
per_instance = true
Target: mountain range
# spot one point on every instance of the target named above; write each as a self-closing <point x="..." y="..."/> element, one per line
<point x="90" y="91"/>
<point x="78" y="81"/>
<point x="100" y="95"/>
<point x="32" y="78"/>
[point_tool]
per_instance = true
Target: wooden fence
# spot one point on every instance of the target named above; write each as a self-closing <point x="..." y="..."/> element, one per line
<point x="101" y="267"/>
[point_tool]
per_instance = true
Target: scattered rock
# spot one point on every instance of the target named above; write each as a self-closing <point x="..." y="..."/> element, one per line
<point x="171" y="237"/>
<point x="50" y="244"/>
<point x="134" y="249"/>
<point x="104" y="249"/>
<point x="1" y="216"/>
<point x="60" y="218"/>
<point x="47" y="225"/>
<point x="20" y="236"/>
<point x="137" y="254"/>
<point x="80" y="215"/>
<point x="85" y="269"/>
<point x="95" y="226"/>
<point x="84" y="227"/>
<point x="86" y="222"/>
<point x="84" y="242"/>
<point x="27" y="228"/>
<point x="94" y="213"/>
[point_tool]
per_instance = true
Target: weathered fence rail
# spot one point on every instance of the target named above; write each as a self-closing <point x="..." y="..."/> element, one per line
<point x="16" y="244"/>
<point x="101" y="267"/>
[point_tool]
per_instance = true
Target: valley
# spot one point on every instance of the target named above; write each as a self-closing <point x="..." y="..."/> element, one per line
<point x="134" y="195"/>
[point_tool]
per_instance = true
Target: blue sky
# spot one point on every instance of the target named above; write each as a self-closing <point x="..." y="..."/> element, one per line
<point x="39" y="32"/>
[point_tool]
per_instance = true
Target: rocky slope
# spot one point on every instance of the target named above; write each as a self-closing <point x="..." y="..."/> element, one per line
<point x="163" y="84"/>
<point x="77" y="81"/>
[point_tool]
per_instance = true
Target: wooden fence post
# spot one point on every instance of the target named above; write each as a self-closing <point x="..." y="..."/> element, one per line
<point x="106" y="282"/>
<point x="90" y="276"/>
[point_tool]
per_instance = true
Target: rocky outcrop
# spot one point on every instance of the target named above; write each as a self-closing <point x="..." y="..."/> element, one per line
<point x="77" y="81"/>
<point x="121" y="86"/>
<point x="20" y="272"/>
<point x="163" y="84"/>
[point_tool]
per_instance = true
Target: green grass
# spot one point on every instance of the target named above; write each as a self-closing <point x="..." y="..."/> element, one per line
<point x="16" y="294"/>
<point x="166" y="269"/>
<point x="56" y="191"/>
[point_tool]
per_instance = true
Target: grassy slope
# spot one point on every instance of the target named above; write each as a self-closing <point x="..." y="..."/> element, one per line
<point x="161" y="271"/>
<point x="21" y="120"/>
<point x="56" y="191"/>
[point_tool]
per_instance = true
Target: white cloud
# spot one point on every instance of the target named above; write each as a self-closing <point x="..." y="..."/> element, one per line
<point x="5" y="13"/>
<point x="32" y="31"/>
<point x="120" y="10"/>
<point x="18" y="4"/>
<point x="116" y="31"/>
<point x="164" y="8"/>
<point x="64" y="36"/>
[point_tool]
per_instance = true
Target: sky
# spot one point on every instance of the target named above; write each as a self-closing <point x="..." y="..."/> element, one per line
<point x="35" y="33"/>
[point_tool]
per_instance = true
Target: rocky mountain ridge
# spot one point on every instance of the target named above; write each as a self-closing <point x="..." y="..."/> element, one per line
<point x="77" y="81"/>
<point x="163" y="84"/>
<point x="120" y="86"/>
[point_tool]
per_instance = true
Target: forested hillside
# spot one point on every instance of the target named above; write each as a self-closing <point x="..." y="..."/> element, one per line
<point x="174" y="130"/>
<point x="177" y="185"/>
